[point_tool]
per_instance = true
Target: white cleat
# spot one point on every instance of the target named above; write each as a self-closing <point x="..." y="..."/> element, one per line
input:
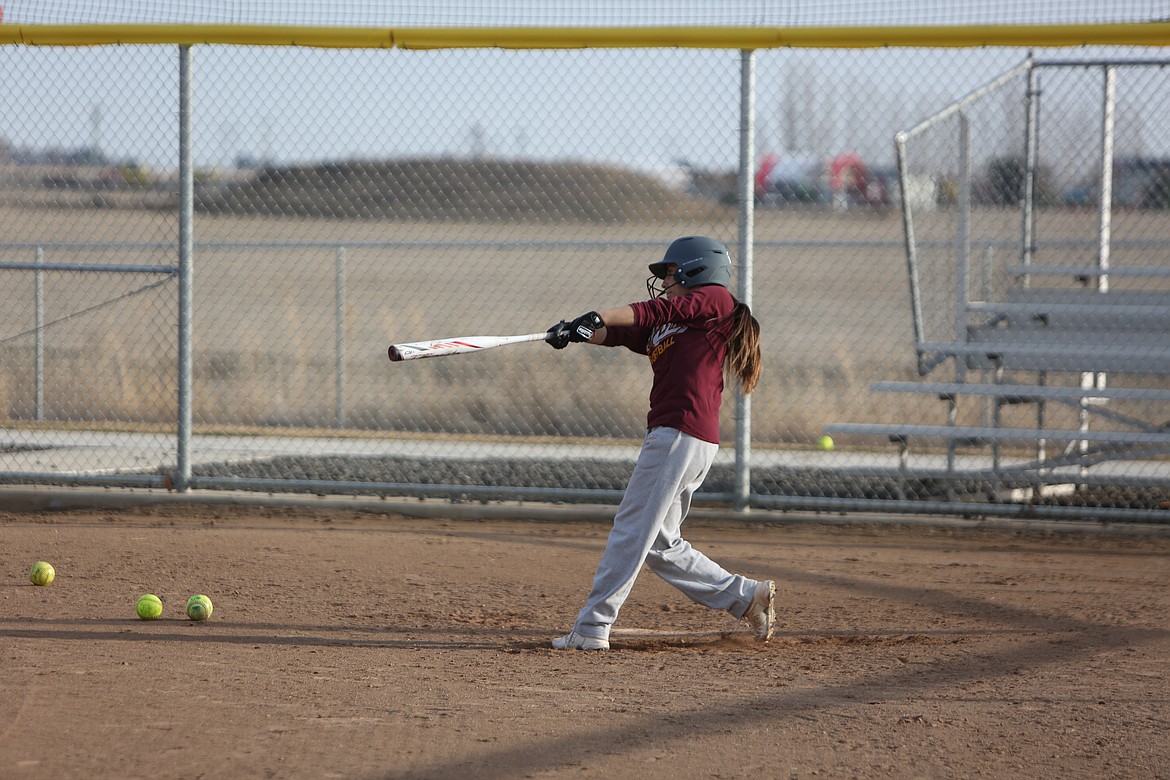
<point x="761" y="613"/>
<point x="574" y="641"/>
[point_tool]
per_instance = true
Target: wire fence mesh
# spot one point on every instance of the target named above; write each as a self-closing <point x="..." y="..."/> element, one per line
<point x="347" y="199"/>
<point x="618" y="13"/>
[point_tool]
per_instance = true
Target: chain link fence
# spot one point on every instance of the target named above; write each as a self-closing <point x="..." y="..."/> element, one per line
<point x="347" y="199"/>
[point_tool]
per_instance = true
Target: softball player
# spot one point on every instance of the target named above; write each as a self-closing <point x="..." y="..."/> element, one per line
<point x="692" y="330"/>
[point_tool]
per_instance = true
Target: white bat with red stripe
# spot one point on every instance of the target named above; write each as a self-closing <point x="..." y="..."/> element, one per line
<point x="456" y="346"/>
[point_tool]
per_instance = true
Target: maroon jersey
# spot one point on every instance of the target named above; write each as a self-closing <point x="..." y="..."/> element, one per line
<point x="686" y="341"/>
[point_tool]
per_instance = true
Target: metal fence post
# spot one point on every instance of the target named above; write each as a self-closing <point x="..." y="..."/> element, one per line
<point x="39" y="306"/>
<point x="747" y="143"/>
<point x="1096" y="380"/>
<point x="339" y="303"/>
<point x="186" y="250"/>
<point x="1031" y="144"/>
<point x="963" y="240"/>
<point x="1105" y="207"/>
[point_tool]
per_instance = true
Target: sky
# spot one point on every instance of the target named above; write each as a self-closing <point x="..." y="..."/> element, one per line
<point x="633" y="107"/>
<point x="639" y="108"/>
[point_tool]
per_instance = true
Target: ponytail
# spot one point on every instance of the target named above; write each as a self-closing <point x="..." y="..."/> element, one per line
<point x="743" y="348"/>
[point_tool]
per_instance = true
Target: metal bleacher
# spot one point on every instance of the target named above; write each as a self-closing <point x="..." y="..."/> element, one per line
<point x="1057" y="336"/>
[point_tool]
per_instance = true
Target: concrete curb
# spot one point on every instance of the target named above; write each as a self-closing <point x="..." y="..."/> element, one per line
<point x="34" y="499"/>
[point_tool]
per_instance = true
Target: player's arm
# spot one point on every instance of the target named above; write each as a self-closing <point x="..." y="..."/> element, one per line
<point x="622" y="316"/>
<point x="590" y="327"/>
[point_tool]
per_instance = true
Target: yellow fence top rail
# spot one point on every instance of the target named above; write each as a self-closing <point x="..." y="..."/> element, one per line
<point x="1124" y="34"/>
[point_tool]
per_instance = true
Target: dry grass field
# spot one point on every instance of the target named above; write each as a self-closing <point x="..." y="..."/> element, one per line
<point x="830" y="291"/>
<point x="834" y="318"/>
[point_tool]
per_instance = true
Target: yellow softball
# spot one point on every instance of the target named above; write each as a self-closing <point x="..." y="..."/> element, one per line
<point x="199" y="607"/>
<point x="149" y="607"/>
<point x="42" y="573"/>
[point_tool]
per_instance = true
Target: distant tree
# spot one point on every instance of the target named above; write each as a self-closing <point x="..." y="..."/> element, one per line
<point x="87" y="155"/>
<point x="1005" y="181"/>
<point x="1002" y="183"/>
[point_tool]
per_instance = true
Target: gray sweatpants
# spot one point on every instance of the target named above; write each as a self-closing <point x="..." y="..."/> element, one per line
<point x="670" y="468"/>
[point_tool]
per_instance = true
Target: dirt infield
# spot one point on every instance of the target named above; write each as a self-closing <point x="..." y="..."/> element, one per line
<point x="360" y="645"/>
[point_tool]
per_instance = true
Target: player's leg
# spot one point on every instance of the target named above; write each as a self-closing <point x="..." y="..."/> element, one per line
<point x="668" y="463"/>
<point x="703" y="580"/>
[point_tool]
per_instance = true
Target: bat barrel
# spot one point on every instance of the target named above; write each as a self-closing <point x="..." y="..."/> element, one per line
<point x="463" y="344"/>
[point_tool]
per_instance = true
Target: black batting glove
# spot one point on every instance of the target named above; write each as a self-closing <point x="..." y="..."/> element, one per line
<point x="583" y="328"/>
<point x="558" y="335"/>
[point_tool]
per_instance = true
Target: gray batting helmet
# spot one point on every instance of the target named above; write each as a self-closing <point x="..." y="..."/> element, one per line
<point x="699" y="260"/>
